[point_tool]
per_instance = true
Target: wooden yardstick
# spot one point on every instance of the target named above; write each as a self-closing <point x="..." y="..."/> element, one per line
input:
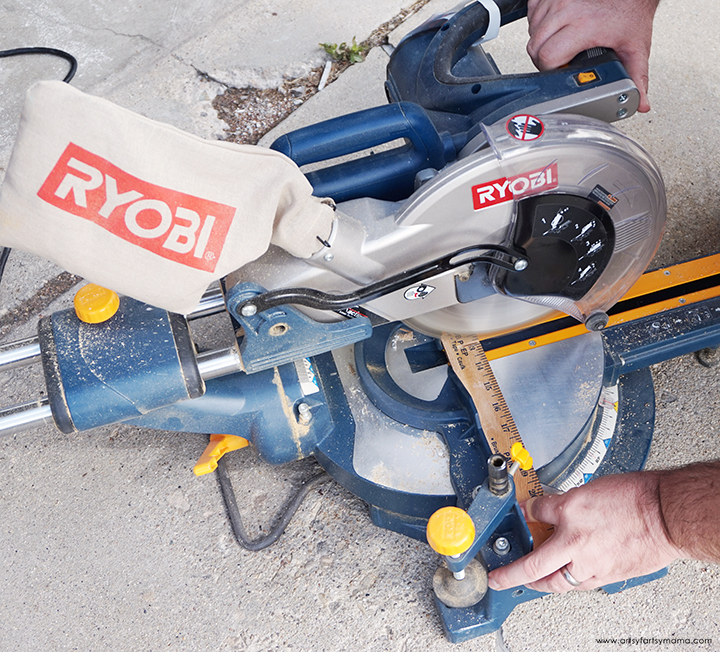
<point x="471" y="365"/>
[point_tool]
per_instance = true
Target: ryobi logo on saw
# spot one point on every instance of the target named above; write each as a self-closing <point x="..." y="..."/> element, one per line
<point x="185" y="229"/>
<point x="504" y="189"/>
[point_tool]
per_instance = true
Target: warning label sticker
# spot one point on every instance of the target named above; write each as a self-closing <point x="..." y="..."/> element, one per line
<point x="606" y="199"/>
<point x="525" y="127"/>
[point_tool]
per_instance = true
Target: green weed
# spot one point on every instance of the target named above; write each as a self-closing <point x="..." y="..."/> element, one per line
<point x="353" y="53"/>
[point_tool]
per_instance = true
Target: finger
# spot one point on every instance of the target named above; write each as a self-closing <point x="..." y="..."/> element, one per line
<point x="636" y="63"/>
<point x="533" y="567"/>
<point x="545" y="509"/>
<point x="533" y="6"/>
<point x="552" y="50"/>
<point x="555" y="583"/>
<point x="537" y="11"/>
<point x="542" y="31"/>
<point x="527" y="510"/>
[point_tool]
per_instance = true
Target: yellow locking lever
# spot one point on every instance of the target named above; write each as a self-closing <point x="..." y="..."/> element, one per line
<point x="218" y="446"/>
<point x="520" y="458"/>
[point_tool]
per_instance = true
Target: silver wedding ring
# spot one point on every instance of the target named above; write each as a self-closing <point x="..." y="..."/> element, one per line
<point x="569" y="578"/>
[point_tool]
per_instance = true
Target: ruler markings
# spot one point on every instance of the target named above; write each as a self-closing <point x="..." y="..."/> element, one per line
<point x="471" y="365"/>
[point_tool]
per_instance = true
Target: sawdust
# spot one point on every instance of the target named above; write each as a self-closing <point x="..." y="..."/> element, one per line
<point x="298" y="430"/>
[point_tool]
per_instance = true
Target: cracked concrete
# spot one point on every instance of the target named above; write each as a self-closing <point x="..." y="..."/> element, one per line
<point x="109" y="540"/>
<point x="180" y="54"/>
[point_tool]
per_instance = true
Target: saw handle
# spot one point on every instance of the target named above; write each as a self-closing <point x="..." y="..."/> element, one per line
<point x="464" y="29"/>
<point x="388" y="174"/>
<point x="460" y="85"/>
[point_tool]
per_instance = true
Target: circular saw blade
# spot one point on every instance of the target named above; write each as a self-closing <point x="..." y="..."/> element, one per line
<point x="491" y="316"/>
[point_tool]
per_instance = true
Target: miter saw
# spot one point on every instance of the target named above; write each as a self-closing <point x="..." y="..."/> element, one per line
<point x="511" y="212"/>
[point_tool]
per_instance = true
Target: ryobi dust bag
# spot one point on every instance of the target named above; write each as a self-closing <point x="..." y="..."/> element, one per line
<point x="143" y="208"/>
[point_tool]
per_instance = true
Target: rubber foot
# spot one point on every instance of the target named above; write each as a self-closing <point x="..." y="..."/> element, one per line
<point x="459" y="594"/>
<point x="709" y="357"/>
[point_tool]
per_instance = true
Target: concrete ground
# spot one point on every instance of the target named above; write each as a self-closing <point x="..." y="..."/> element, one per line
<point x="108" y="540"/>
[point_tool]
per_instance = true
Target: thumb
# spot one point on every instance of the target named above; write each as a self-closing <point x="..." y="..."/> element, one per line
<point x="543" y="509"/>
<point x="636" y="63"/>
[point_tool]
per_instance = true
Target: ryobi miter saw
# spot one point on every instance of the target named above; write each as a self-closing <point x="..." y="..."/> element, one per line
<point x="507" y="234"/>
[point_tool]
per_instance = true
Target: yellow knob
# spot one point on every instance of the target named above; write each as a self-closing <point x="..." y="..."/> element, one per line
<point x="95" y="304"/>
<point x="450" y="531"/>
<point x="521" y="456"/>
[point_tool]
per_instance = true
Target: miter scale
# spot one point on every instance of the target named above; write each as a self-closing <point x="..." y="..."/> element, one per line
<point x="512" y="214"/>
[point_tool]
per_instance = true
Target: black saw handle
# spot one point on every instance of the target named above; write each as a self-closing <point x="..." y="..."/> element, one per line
<point x="468" y="26"/>
<point x="460" y="86"/>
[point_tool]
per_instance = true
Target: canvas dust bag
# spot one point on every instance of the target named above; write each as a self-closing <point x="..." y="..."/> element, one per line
<point x="143" y="208"/>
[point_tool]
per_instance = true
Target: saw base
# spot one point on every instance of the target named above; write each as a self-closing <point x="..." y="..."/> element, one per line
<point x="429" y="450"/>
<point x="408" y="408"/>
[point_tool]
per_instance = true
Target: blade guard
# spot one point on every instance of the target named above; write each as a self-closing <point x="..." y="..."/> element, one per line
<point x="478" y="199"/>
<point x="591" y="237"/>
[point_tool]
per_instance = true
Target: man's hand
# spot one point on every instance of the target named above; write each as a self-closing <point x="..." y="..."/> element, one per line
<point x="609" y="530"/>
<point x="560" y="29"/>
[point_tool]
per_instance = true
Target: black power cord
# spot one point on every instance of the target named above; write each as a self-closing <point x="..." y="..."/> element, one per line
<point x="4" y="254"/>
<point x="286" y="513"/>
<point x="40" y="50"/>
<point x="15" y="52"/>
